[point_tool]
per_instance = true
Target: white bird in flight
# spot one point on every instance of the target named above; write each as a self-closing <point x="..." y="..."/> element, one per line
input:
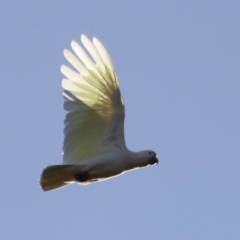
<point x="94" y="147"/>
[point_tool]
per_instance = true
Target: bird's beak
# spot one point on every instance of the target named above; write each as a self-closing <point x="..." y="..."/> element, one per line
<point x="153" y="160"/>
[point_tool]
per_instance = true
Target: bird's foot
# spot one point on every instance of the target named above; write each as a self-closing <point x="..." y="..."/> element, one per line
<point x="82" y="177"/>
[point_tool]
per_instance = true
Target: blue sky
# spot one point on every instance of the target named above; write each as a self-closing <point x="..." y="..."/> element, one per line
<point x="178" y="67"/>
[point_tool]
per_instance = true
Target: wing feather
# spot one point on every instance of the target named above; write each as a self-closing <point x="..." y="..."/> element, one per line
<point x="75" y="61"/>
<point x="95" y="119"/>
<point x="82" y="55"/>
<point x="92" y="50"/>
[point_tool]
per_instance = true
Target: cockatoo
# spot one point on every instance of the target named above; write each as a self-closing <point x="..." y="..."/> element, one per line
<point x="94" y="146"/>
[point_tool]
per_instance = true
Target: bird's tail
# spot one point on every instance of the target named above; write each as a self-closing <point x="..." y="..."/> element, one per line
<point x="56" y="176"/>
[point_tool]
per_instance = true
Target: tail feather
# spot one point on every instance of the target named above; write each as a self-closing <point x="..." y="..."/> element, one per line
<point x="56" y="176"/>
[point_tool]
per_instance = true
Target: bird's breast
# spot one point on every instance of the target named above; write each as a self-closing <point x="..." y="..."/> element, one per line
<point x="108" y="167"/>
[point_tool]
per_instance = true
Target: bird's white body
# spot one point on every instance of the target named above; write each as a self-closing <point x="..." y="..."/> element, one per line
<point x="111" y="164"/>
<point x="94" y="145"/>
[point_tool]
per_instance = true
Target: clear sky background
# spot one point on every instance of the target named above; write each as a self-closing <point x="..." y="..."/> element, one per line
<point x="178" y="64"/>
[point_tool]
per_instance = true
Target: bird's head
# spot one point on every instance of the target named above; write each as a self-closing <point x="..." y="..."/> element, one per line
<point x="145" y="158"/>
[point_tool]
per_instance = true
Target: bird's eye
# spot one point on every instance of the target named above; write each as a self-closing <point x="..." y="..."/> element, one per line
<point x="150" y="153"/>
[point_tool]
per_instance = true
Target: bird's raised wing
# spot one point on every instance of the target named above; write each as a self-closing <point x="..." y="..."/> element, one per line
<point x="95" y="118"/>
